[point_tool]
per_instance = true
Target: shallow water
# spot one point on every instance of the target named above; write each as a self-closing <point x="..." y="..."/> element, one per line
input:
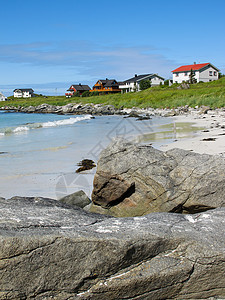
<point x="171" y="131"/>
<point x="41" y="160"/>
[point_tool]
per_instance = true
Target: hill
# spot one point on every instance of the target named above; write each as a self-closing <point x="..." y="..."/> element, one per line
<point x="211" y="94"/>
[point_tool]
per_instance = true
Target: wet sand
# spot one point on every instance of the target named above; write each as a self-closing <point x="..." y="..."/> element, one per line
<point x="210" y="139"/>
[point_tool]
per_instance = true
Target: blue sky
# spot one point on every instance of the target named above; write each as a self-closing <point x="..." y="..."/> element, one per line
<point x="50" y="44"/>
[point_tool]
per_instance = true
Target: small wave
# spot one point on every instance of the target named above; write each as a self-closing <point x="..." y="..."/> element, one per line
<point x="20" y="129"/>
<point x="69" y="121"/>
<point x="24" y="129"/>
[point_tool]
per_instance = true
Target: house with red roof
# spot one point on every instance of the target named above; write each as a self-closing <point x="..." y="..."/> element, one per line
<point x="202" y="72"/>
<point x="80" y="88"/>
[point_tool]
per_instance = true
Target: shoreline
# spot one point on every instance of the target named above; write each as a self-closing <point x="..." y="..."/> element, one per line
<point x="101" y="109"/>
<point x="212" y="123"/>
<point x="210" y="140"/>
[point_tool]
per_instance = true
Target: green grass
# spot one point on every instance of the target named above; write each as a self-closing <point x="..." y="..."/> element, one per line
<point x="211" y="94"/>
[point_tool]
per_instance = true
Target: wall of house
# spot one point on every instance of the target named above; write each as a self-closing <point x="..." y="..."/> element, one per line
<point x="180" y="77"/>
<point x="22" y="94"/>
<point x="128" y="87"/>
<point x="26" y="95"/>
<point x="2" y="97"/>
<point x="18" y="94"/>
<point x="206" y="76"/>
<point x="184" y="76"/>
<point x="156" y="81"/>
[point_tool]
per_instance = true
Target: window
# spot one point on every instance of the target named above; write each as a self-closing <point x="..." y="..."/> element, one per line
<point x="177" y="74"/>
<point x="185" y="74"/>
<point x="215" y="73"/>
<point x="210" y="73"/>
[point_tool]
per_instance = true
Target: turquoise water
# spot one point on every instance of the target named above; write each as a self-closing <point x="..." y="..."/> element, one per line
<point x="39" y="152"/>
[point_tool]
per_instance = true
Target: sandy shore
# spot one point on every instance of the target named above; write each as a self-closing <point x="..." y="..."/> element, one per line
<point x="209" y="140"/>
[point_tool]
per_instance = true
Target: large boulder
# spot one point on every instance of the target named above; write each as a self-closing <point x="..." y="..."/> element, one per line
<point x="133" y="180"/>
<point x="49" y="250"/>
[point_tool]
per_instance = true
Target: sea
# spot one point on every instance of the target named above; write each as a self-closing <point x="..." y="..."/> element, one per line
<point x="39" y="153"/>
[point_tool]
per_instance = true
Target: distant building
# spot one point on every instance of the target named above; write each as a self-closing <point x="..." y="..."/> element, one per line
<point x="106" y="85"/>
<point x="133" y="84"/>
<point x="80" y="88"/>
<point x="23" y="93"/>
<point x="2" y="97"/>
<point x="202" y="72"/>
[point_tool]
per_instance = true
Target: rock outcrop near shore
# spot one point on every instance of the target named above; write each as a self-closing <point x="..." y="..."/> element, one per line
<point x="101" y="109"/>
<point x="70" y="108"/>
<point x="50" y="250"/>
<point x="134" y="180"/>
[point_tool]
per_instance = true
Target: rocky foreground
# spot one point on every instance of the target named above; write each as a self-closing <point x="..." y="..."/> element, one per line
<point x="134" y="180"/>
<point x="54" y="250"/>
<point x="50" y="250"/>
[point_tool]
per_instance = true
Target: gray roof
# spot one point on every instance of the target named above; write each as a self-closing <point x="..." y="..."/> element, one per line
<point x="142" y="77"/>
<point x="111" y="82"/>
<point x="108" y="82"/>
<point x="24" y="90"/>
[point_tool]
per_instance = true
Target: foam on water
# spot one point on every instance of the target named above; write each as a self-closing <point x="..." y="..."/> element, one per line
<point x="69" y="121"/>
<point x="21" y="129"/>
<point x="42" y="150"/>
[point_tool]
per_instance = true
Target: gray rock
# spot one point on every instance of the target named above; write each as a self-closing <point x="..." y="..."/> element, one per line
<point x="172" y="181"/>
<point x="204" y="109"/>
<point x="79" y="199"/>
<point x="49" y="250"/>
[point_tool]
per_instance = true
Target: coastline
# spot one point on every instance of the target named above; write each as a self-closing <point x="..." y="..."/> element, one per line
<point x="210" y="139"/>
<point x="206" y="123"/>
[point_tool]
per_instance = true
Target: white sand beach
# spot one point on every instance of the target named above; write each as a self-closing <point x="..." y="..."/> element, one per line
<point x="209" y="140"/>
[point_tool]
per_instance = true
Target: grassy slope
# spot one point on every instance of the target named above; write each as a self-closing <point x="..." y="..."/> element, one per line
<point x="211" y="94"/>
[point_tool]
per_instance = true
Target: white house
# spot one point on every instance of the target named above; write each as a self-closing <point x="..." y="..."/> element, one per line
<point x="23" y="93"/>
<point x="2" y="97"/>
<point x="133" y="84"/>
<point x="203" y="72"/>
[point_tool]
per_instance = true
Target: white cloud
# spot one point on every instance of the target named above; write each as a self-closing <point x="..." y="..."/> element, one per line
<point x="89" y="59"/>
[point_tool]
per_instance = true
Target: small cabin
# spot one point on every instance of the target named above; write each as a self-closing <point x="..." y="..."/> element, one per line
<point x="2" y="97"/>
<point x="74" y="88"/>
<point x="133" y="84"/>
<point x="23" y="93"/>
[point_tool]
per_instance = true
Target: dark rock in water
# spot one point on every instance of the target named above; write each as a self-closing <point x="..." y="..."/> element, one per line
<point x="209" y="139"/>
<point x="85" y="164"/>
<point x="79" y="199"/>
<point x="143" y="118"/>
<point x="173" y="181"/>
<point x="3" y="152"/>
<point x="49" y="250"/>
<point x="133" y="114"/>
